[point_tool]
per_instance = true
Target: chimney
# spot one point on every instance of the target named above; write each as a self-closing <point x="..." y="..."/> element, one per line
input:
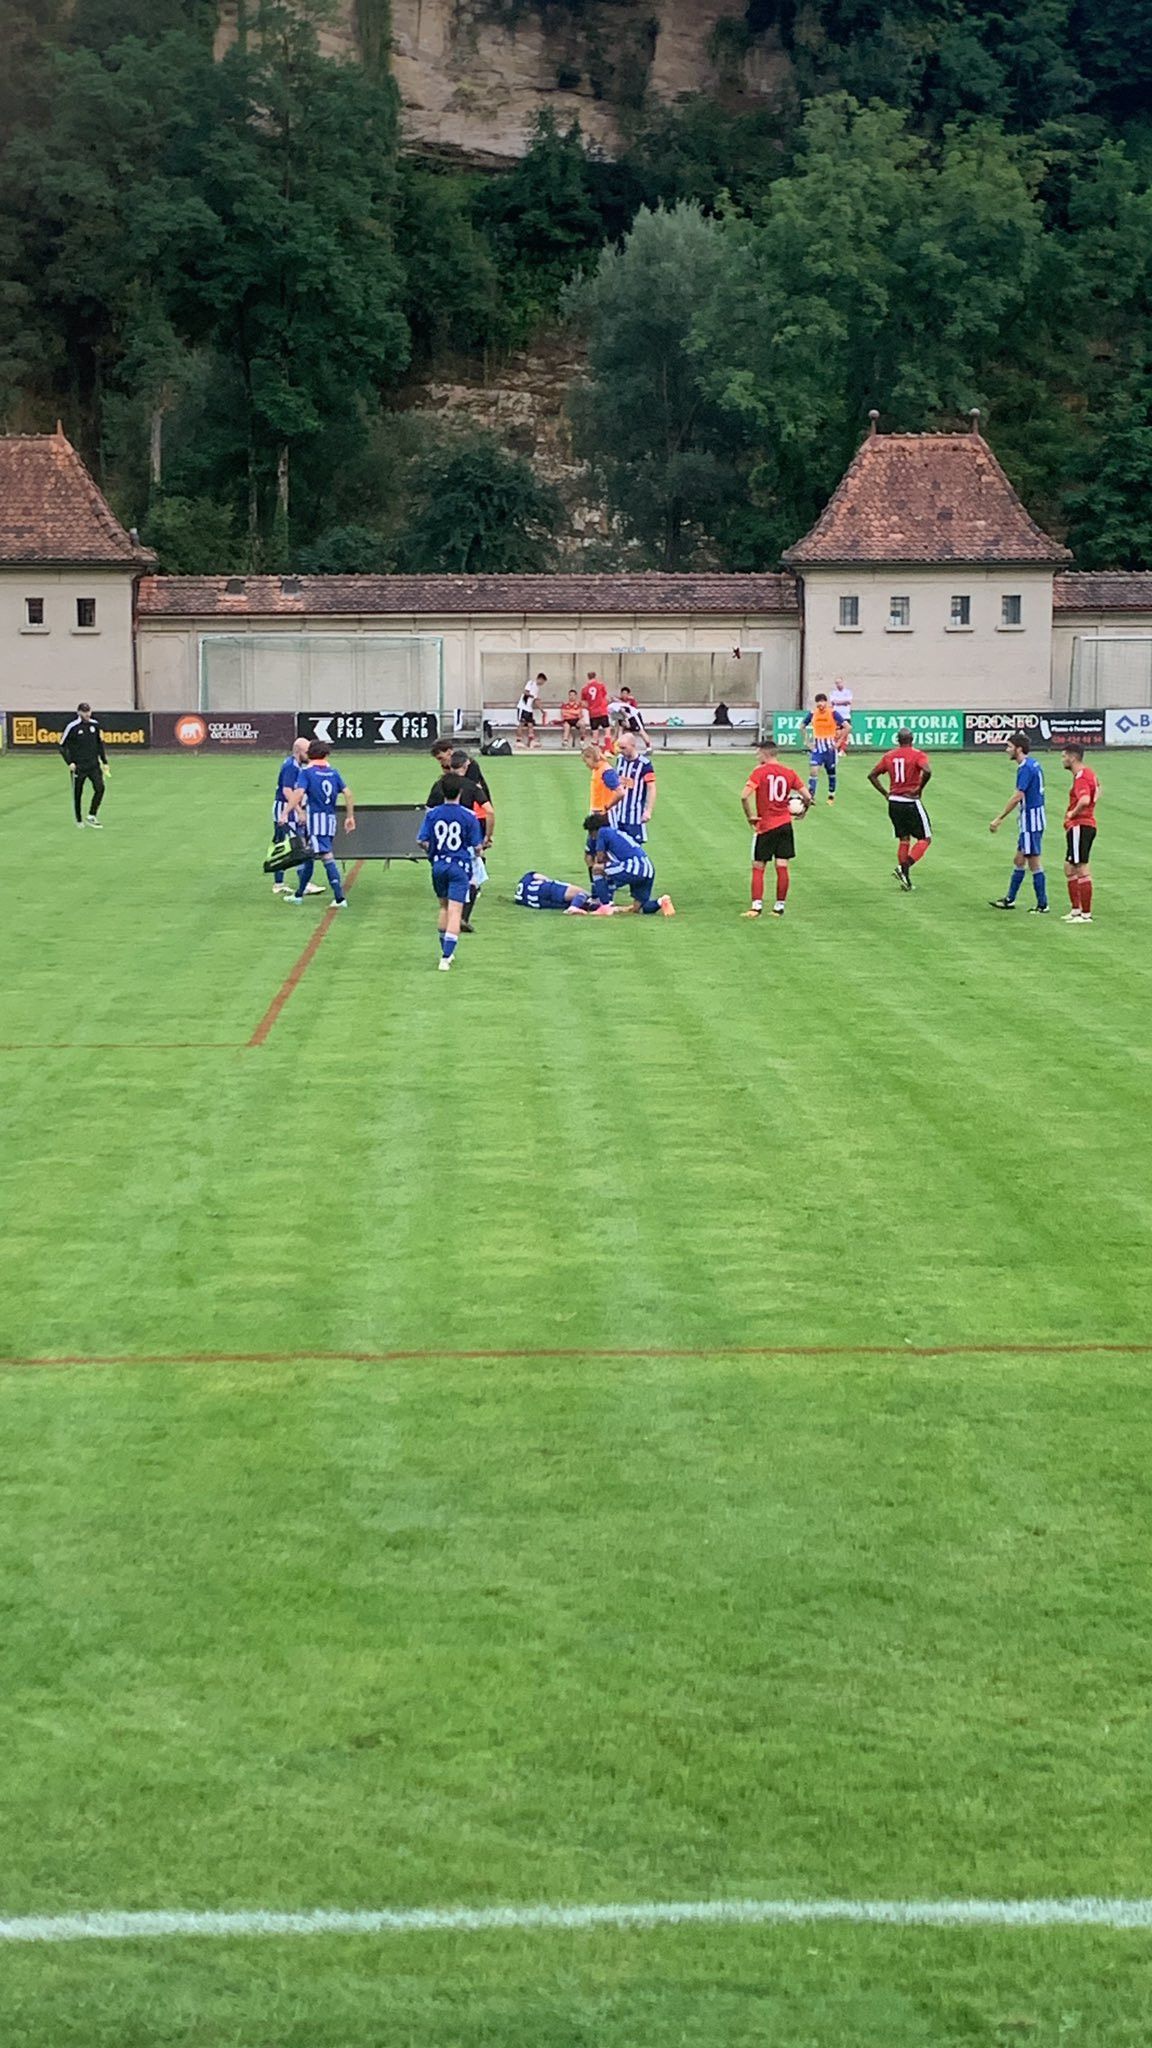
<point x="873" y="423"/>
<point x="974" y="420"/>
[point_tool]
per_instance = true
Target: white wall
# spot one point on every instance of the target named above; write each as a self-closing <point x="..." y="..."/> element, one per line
<point x="169" y="657"/>
<point x="931" y="664"/>
<point x="53" y="667"/>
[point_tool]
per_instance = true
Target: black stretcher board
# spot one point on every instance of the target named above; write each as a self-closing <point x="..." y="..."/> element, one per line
<point x="383" y="832"/>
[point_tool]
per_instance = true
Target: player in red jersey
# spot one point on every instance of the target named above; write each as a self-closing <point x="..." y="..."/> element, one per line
<point x="767" y="799"/>
<point x="1080" y="832"/>
<point x="909" y="773"/>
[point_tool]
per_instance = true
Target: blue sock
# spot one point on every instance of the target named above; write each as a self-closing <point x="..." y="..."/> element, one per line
<point x="332" y="871"/>
<point x="1016" y="884"/>
<point x="447" y="944"/>
<point x="1040" y="884"/>
<point x="581" y="900"/>
<point x="601" y="891"/>
<point x="831" y="782"/>
<point x="304" y="876"/>
<point x="812" y="783"/>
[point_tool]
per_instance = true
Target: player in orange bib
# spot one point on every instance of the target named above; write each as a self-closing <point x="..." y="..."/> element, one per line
<point x="1080" y="834"/>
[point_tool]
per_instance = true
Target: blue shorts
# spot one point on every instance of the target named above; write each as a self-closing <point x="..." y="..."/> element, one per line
<point x="322" y="846"/>
<point x="1030" y="842"/>
<point x="823" y="754"/>
<point x="451" y="884"/>
<point x="637" y="832"/>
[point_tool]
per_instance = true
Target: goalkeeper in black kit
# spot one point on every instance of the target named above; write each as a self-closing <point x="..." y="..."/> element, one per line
<point x="82" y="745"/>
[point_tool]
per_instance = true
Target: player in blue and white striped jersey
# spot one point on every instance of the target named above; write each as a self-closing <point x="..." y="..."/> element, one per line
<point x="1028" y="799"/>
<point x="637" y="799"/>
<point x="287" y="815"/>
<point x="320" y="788"/>
<point x="618" y="863"/>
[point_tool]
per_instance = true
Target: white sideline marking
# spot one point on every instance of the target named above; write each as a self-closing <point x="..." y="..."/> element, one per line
<point x="1087" y="1912"/>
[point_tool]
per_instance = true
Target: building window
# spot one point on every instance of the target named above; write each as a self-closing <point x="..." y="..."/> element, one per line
<point x="34" y="611"/>
<point x="899" y="614"/>
<point x="85" y="614"/>
<point x="961" y="611"/>
<point x="849" y="614"/>
<point x="1011" y="611"/>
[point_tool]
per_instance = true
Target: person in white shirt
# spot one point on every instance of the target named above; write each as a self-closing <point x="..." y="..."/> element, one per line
<point x="526" y="709"/>
<point x="841" y="701"/>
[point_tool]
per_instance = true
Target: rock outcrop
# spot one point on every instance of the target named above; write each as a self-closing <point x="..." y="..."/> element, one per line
<point x="474" y="75"/>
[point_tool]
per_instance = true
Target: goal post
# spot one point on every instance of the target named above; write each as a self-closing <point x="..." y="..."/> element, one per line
<point x="322" y="672"/>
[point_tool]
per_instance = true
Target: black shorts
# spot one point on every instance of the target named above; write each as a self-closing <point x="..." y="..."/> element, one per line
<point x="779" y="844"/>
<point x="599" y="724"/>
<point x="909" y="818"/>
<point x="1078" y="845"/>
<point x="527" y="718"/>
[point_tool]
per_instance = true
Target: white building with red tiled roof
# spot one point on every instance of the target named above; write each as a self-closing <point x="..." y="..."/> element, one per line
<point x="925" y="581"/>
<point x="68" y="574"/>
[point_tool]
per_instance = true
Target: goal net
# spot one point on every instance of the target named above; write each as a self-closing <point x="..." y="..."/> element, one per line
<point x="321" y="672"/>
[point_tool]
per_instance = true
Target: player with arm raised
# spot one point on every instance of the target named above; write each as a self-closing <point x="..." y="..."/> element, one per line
<point x="450" y="835"/>
<point x="318" y="790"/>
<point x="768" y="797"/>
<point x="1028" y="799"/>
<point x="1080" y="835"/>
<point x="909" y="772"/>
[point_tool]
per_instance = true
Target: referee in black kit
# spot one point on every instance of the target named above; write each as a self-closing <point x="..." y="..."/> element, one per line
<point x="82" y="745"/>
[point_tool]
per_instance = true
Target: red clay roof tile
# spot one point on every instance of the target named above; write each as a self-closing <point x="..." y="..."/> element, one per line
<point x="925" y="498"/>
<point x="51" y="511"/>
<point x="223" y="597"/>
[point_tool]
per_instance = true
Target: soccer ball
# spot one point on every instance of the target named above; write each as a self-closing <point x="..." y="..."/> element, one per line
<point x="796" y="804"/>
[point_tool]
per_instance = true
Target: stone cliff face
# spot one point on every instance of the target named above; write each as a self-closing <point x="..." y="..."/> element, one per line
<point x="474" y="75"/>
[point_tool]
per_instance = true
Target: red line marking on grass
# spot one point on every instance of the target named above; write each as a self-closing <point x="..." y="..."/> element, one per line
<point x="130" y="1045"/>
<point x="296" y="974"/>
<point x="424" y="1356"/>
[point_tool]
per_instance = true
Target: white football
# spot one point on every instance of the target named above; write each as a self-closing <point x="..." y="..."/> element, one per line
<point x="796" y="804"/>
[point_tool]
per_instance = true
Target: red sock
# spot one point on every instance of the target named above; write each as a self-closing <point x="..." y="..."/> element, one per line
<point x="1074" y="891"/>
<point x="782" y="880"/>
<point x="902" y="853"/>
<point x="757" y="885"/>
<point x="919" y="850"/>
<point x="1086" y="892"/>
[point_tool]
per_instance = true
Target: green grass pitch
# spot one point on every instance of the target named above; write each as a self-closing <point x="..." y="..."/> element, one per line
<point x="287" y="1627"/>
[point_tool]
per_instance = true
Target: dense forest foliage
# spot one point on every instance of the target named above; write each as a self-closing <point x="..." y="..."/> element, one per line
<point x="220" y="271"/>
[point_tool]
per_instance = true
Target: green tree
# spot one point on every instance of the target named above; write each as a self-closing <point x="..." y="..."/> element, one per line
<point x="300" y="281"/>
<point x="345" y="551"/>
<point x="193" y="537"/>
<point x="1110" y="506"/>
<point x="477" y="510"/>
<point x="880" y="272"/>
<point x="644" y="420"/>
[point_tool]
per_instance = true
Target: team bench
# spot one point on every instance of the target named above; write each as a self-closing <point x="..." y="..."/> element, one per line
<point x="691" y="727"/>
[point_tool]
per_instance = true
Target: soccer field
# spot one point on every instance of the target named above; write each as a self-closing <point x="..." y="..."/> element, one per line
<point x="659" y="1414"/>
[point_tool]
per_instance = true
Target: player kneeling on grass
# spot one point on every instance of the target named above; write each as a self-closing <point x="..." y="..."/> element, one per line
<point x="619" y="862"/>
<point x="772" y="797"/>
<point x="450" y="835"/>
<point x="1080" y="835"/>
<point x="909" y="772"/>
<point x="539" y="892"/>
<point x="318" y="786"/>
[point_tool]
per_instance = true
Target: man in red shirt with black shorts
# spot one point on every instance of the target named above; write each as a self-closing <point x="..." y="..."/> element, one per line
<point x="767" y="797"/>
<point x="909" y="773"/>
<point x="1080" y="831"/>
<point x="594" y="698"/>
